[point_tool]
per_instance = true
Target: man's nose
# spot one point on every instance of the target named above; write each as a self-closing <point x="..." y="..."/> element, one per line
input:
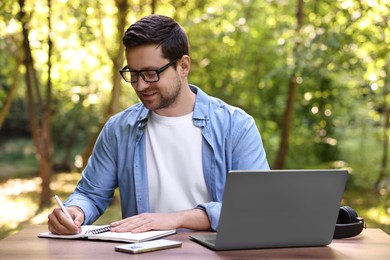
<point x="141" y="84"/>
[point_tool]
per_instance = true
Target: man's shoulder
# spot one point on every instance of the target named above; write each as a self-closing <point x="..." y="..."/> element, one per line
<point x="219" y="110"/>
<point x="130" y="115"/>
<point x="219" y="105"/>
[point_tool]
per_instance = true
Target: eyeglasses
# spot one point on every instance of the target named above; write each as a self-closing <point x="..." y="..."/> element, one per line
<point x="148" y="76"/>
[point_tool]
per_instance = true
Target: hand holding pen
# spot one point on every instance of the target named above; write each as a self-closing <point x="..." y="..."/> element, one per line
<point x="59" y="202"/>
<point x="68" y="224"/>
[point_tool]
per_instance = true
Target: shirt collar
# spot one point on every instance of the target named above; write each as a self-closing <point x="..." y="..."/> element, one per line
<point x="201" y="109"/>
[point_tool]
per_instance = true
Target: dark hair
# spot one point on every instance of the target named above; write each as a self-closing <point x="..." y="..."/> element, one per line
<point x="160" y="30"/>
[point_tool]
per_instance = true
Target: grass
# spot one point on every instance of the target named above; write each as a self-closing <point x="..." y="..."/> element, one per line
<point x="19" y="199"/>
<point x="20" y="189"/>
<point x="372" y="207"/>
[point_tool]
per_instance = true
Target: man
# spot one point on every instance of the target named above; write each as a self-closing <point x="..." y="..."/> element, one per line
<point x="169" y="154"/>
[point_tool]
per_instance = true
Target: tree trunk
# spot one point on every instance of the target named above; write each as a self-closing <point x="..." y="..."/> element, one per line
<point x="117" y="59"/>
<point x="40" y="128"/>
<point x="291" y="98"/>
<point x="46" y="164"/>
<point x="287" y="123"/>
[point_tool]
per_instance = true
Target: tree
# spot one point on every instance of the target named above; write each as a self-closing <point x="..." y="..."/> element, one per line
<point x="291" y="96"/>
<point x="10" y="95"/>
<point x="10" y="62"/>
<point x="380" y="81"/>
<point x="384" y="168"/>
<point x="116" y="54"/>
<point x="309" y="79"/>
<point x="39" y="108"/>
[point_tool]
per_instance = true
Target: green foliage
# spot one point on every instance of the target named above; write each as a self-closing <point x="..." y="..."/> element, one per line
<point x="241" y="51"/>
<point x="17" y="159"/>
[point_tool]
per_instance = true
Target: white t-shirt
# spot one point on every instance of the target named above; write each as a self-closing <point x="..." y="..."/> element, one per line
<point x="174" y="164"/>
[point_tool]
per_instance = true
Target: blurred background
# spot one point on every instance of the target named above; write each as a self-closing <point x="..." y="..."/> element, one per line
<point x="315" y="75"/>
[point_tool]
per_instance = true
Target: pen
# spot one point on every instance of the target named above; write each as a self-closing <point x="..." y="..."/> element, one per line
<point x="63" y="208"/>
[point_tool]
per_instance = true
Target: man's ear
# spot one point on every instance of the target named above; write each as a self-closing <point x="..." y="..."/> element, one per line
<point x="184" y="65"/>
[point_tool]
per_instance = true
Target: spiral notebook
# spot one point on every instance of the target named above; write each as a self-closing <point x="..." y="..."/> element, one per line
<point x="98" y="232"/>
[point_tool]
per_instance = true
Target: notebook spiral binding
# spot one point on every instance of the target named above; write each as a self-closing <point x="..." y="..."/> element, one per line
<point x="98" y="230"/>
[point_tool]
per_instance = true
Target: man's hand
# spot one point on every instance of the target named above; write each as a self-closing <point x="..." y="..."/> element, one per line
<point x="58" y="223"/>
<point x="195" y="219"/>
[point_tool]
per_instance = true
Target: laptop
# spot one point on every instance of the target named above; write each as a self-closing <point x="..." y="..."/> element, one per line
<point x="277" y="208"/>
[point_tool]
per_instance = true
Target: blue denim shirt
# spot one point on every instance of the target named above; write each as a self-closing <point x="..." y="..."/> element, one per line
<point x="230" y="141"/>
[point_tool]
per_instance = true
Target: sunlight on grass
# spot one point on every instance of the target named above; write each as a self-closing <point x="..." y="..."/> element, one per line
<point x="19" y="200"/>
<point x="380" y="217"/>
<point x="65" y="182"/>
<point x="15" y="211"/>
<point x="17" y="207"/>
<point x="18" y="186"/>
<point x="41" y="218"/>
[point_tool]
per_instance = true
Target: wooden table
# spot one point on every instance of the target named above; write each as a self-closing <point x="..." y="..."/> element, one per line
<point x="372" y="244"/>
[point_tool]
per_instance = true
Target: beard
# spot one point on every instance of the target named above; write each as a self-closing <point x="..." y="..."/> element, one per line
<point x="164" y="98"/>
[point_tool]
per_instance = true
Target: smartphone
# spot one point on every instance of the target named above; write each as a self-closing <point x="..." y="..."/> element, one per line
<point x="148" y="246"/>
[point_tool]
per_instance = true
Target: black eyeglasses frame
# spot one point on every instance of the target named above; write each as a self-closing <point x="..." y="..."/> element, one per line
<point x="126" y="69"/>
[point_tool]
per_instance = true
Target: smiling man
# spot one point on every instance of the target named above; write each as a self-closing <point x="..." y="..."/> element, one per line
<point x="169" y="154"/>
